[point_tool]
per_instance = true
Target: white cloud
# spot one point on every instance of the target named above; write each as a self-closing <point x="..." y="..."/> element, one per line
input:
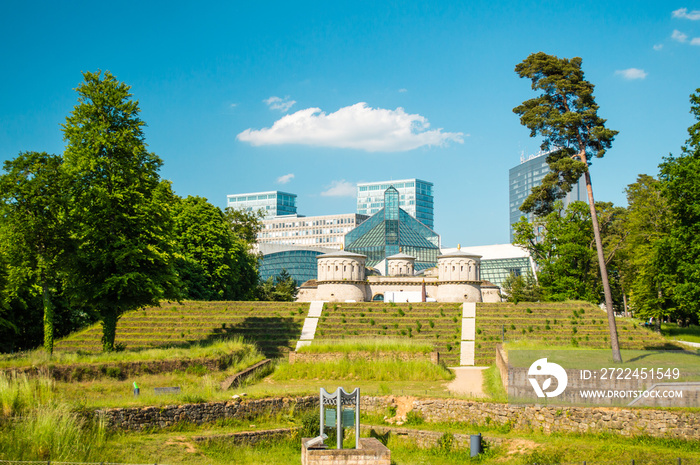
<point x="402" y="90"/>
<point x="658" y="47"/>
<point x="281" y="104"/>
<point x="683" y="13"/>
<point x="340" y="189"/>
<point x="631" y="73"/>
<point x="285" y="179"/>
<point x="356" y="127"/>
<point x="679" y="36"/>
<point x="233" y="105"/>
<point x="695" y="41"/>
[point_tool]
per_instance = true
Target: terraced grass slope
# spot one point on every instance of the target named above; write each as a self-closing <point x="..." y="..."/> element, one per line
<point x="579" y="324"/>
<point x="273" y="326"/>
<point x="437" y="323"/>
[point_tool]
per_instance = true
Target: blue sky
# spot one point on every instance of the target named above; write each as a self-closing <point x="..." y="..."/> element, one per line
<point x="238" y="97"/>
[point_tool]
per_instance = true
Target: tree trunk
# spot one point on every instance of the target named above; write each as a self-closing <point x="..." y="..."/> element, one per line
<point x="48" y="316"/>
<point x="109" y="328"/>
<point x="624" y="302"/>
<point x="614" y="344"/>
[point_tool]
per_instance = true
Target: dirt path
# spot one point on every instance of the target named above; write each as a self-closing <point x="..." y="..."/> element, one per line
<point x="468" y="381"/>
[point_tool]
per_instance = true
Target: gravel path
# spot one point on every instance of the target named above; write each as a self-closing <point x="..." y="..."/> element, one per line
<point x="468" y="380"/>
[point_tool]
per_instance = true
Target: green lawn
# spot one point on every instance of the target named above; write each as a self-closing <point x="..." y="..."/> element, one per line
<point x="688" y="334"/>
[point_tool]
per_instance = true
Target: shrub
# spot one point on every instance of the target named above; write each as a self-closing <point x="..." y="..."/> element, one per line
<point x="414" y="418"/>
<point x="528" y="310"/>
<point x="431" y="323"/>
<point x="446" y="442"/>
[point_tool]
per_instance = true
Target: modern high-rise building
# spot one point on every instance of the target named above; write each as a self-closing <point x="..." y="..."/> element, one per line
<point x="525" y="176"/>
<point x="415" y="198"/>
<point x="273" y="203"/>
<point x="311" y="231"/>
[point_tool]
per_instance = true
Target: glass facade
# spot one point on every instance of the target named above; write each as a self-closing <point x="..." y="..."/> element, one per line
<point x="274" y="203"/>
<point x="496" y="270"/>
<point x="415" y="197"/>
<point x="391" y="230"/>
<point x="300" y="264"/>
<point x="528" y="174"/>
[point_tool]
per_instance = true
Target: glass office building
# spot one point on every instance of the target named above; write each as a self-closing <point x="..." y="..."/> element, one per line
<point x="299" y="261"/>
<point x="273" y="203"/>
<point x="392" y="230"/>
<point x="415" y="198"/>
<point x="528" y="174"/>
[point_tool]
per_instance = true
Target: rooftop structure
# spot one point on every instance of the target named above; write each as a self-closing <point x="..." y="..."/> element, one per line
<point x="528" y="174"/>
<point x="392" y="230"/>
<point x="415" y="198"/>
<point x="273" y="203"/>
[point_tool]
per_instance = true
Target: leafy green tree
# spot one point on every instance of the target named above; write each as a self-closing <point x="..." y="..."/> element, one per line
<point x="245" y="224"/>
<point x="647" y="223"/>
<point x="565" y="115"/>
<point x="679" y="251"/>
<point x="120" y="210"/>
<point x="34" y="209"/>
<point x="213" y="263"/>
<point x="563" y="248"/>
<point x="280" y="288"/>
<point x="522" y="288"/>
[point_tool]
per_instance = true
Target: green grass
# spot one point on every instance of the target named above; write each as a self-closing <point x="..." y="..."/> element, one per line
<point x="235" y="347"/>
<point x="362" y="369"/>
<point x="688" y="334"/>
<point x="518" y="448"/>
<point x="493" y="386"/>
<point x="368" y="345"/>
<point x="195" y="385"/>
<point x="35" y="425"/>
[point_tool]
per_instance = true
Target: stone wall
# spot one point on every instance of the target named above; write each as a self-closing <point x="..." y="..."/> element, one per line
<point x="140" y="418"/>
<point x="311" y="357"/>
<point x="627" y="422"/>
<point x="683" y="424"/>
<point x="502" y="365"/>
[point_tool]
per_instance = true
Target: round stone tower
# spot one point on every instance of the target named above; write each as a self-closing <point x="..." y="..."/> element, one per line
<point x="341" y="277"/>
<point x="400" y="265"/>
<point x="459" y="277"/>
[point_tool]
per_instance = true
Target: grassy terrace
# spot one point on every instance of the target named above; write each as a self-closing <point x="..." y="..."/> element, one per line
<point x="578" y="324"/>
<point x="273" y="326"/>
<point x="439" y="324"/>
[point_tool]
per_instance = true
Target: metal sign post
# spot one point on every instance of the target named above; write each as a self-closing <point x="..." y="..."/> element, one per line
<point x="341" y="398"/>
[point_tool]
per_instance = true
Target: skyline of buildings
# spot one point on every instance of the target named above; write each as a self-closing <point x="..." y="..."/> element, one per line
<point x="415" y="198"/>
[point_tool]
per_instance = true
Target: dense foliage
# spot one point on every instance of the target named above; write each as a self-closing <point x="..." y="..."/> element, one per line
<point x="91" y="234"/>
